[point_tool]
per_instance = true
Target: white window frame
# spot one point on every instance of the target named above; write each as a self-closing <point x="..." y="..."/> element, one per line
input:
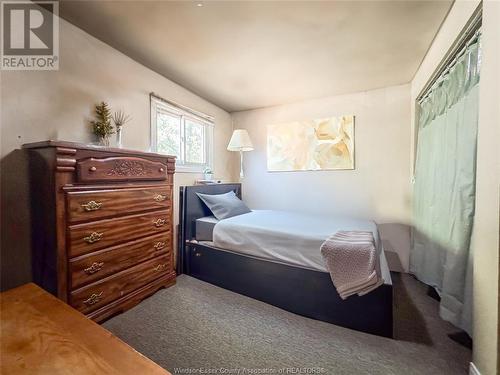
<point x="185" y="114"/>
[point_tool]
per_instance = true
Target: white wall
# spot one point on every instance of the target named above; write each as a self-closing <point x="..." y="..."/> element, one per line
<point x="378" y="188"/>
<point x="59" y="104"/>
<point x="486" y="220"/>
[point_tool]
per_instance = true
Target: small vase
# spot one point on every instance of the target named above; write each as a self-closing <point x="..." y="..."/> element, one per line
<point x="119" y="136"/>
<point x="104" y="141"/>
<point x="208" y="176"/>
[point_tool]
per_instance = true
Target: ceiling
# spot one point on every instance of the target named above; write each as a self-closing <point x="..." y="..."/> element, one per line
<point x="245" y="55"/>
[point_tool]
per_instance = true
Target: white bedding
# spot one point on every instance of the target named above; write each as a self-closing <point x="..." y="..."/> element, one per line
<point x="285" y="237"/>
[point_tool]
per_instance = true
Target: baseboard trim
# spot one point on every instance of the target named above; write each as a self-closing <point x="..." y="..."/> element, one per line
<point x="473" y="369"/>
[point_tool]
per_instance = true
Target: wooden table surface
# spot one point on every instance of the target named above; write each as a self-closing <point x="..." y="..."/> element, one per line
<point x="42" y="335"/>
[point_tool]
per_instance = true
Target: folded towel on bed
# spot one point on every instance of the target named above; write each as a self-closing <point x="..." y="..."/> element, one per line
<point x="352" y="260"/>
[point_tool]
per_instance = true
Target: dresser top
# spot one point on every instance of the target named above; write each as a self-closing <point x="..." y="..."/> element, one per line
<point x="83" y="146"/>
<point x="68" y="338"/>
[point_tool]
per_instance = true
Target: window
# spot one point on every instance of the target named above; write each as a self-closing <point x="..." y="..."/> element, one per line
<point x="178" y="131"/>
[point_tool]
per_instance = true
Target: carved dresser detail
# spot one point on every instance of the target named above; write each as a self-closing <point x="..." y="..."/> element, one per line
<point x="101" y="224"/>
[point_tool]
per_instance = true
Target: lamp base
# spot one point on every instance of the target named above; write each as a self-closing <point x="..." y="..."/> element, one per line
<point x="241" y="166"/>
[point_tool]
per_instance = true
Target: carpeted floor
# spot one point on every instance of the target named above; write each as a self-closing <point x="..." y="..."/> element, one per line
<point x="195" y="325"/>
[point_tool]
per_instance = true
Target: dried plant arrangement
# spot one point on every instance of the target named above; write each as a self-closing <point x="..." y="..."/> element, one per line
<point x="102" y="127"/>
<point x="120" y="118"/>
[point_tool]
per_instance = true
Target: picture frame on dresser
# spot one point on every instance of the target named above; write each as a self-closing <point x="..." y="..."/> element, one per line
<point x="102" y="224"/>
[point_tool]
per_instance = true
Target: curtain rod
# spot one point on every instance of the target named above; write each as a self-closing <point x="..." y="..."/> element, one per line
<point x="183" y="107"/>
<point x="469" y="32"/>
<point x="448" y="67"/>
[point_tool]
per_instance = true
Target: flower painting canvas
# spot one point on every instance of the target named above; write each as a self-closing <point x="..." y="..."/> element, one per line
<point x="322" y="144"/>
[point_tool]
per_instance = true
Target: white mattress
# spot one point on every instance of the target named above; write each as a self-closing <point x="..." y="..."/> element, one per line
<point x="205" y="228"/>
<point x="286" y="237"/>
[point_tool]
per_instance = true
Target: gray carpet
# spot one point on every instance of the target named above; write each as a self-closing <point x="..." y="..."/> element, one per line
<point x="195" y="325"/>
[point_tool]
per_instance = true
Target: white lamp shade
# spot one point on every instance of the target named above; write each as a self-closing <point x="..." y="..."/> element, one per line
<point x="240" y="141"/>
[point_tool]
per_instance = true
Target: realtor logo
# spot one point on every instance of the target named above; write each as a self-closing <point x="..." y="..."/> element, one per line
<point x="30" y="35"/>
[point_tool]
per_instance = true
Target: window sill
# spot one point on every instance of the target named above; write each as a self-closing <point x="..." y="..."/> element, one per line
<point x="188" y="169"/>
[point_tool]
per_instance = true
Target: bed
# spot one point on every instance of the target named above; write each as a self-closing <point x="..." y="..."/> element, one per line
<point x="274" y="257"/>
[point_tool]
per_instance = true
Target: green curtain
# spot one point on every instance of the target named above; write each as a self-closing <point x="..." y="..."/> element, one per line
<point x="444" y="190"/>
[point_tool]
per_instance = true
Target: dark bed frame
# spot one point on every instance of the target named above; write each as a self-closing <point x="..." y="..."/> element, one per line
<point x="305" y="292"/>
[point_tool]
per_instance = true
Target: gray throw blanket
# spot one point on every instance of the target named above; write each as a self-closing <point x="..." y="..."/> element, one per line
<point x="351" y="259"/>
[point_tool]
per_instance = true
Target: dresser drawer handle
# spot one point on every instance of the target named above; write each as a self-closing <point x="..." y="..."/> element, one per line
<point x="159" y="222"/>
<point x="95" y="267"/>
<point x="160" y="267"/>
<point x="93" y="299"/>
<point x="159" y="245"/>
<point x="94" y="237"/>
<point x="159" y="197"/>
<point x="92" y="206"/>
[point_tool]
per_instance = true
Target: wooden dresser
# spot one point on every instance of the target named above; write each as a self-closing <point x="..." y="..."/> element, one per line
<point x="101" y="224"/>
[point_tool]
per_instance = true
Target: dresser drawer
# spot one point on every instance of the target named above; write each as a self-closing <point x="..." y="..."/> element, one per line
<point x="88" y="237"/>
<point x="122" y="168"/>
<point x="97" y="265"/>
<point x="91" y="205"/>
<point x="102" y="292"/>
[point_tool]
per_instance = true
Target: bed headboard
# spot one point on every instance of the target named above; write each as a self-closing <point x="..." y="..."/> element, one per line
<point x="192" y="208"/>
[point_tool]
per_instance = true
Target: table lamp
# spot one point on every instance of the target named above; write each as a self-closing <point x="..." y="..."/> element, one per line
<point x="240" y="141"/>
